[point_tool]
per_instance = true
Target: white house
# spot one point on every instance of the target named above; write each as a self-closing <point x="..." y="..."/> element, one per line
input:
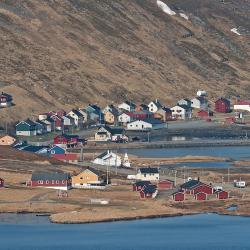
<point x="68" y="120"/>
<point x="124" y="118"/>
<point x="199" y="103"/>
<point x="181" y="112"/>
<point x="129" y="106"/>
<point x="154" y="106"/>
<point x="144" y="125"/>
<point x="242" y="106"/>
<point x="77" y="116"/>
<point x="148" y="174"/>
<point x="108" y="158"/>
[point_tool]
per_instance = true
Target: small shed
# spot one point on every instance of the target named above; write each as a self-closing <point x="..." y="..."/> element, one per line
<point x="138" y="186"/>
<point x="200" y="196"/>
<point x="165" y="184"/>
<point x="1" y="182"/>
<point x="179" y="196"/>
<point x="222" y="195"/>
<point x="222" y="105"/>
<point x="149" y="192"/>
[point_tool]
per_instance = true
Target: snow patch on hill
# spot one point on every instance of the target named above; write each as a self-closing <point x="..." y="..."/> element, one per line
<point x="235" y="30"/>
<point x="165" y="8"/>
<point x="184" y="16"/>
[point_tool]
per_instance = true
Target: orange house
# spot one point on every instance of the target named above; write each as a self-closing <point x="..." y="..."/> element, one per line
<point x="7" y="140"/>
<point x="87" y="178"/>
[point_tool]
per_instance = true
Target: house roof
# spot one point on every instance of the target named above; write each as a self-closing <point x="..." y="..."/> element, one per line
<point x="142" y="183"/>
<point x="153" y="121"/>
<point x="28" y="122"/>
<point x="76" y="112"/>
<point x="149" y="189"/>
<point x="113" y="130"/>
<point x="5" y="95"/>
<point x="223" y="100"/>
<point x="149" y="170"/>
<point x="34" y="149"/>
<point x="93" y="171"/>
<point x="190" y="184"/>
<point x="49" y="176"/>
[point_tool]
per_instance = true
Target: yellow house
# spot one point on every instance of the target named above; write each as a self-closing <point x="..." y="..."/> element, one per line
<point x="109" y="117"/>
<point x="7" y="140"/>
<point x="87" y="178"/>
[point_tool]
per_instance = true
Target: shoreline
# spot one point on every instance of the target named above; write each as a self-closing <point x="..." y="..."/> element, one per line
<point x="136" y="218"/>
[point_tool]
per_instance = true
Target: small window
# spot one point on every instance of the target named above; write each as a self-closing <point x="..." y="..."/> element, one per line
<point x="53" y="152"/>
<point x="57" y="182"/>
<point x="47" y="182"/>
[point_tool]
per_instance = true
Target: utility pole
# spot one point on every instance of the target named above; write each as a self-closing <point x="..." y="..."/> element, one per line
<point x="175" y="173"/>
<point x="148" y="136"/>
<point x="107" y="174"/>
<point x="228" y="175"/>
<point x="184" y="175"/>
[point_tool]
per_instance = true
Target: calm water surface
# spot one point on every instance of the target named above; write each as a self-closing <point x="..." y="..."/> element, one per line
<point x="209" y="231"/>
<point x="234" y="152"/>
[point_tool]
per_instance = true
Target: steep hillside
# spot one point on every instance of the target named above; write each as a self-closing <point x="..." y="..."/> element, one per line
<point x="63" y="53"/>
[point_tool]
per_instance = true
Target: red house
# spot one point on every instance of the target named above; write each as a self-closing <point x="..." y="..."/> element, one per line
<point x="148" y="192"/>
<point x="203" y="188"/>
<point x="66" y="139"/>
<point x="222" y="195"/>
<point x="178" y="196"/>
<point x="165" y="184"/>
<point x="61" y="181"/>
<point x="58" y="122"/>
<point x="140" y="115"/>
<point x="222" y="105"/>
<point x="138" y="186"/>
<point x="1" y="182"/>
<point x="200" y="196"/>
<point x="5" y="100"/>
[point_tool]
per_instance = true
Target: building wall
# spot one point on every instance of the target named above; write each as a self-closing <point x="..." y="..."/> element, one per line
<point x="85" y="178"/>
<point x="148" y="177"/>
<point x="54" y="184"/>
<point x="139" y="125"/>
<point x="179" y="197"/>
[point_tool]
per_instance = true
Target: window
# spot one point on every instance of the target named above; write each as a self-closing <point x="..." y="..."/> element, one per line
<point x="47" y="182"/>
<point x="53" y="152"/>
<point x="40" y="182"/>
<point x="63" y="182"/>
<point x="57" y="182"/>
<point x="53" y="182"/>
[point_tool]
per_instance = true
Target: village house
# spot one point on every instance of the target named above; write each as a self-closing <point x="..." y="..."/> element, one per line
<point x="223" y="105"/>
<point x="1" y="182"/>
<point x="111" y="114"/>
<point x="149" y="192"/>
<point x="26" y="128"/>
<point x="67" y="140"/>
<point x="128" y="106"/>
<point x="145" y="125"/>
<point x="201" y="196"/>
<point x="68" y="122"/>
<point x="195" y="186"/>
<point x="199" y="103"/>
<point x="94" y="113"/>
<point x="72" y="158"/>
<point x="204" y="114"/>
<point x="61" y="181"/>
<point x="181" y="112"/>
<point x="7" y="140"/>
<point x="58" y="122"/>
<point x="138" y="186"/>
<point x="124" y="118"/>
<point x="154" y="106"/>
<point x="5" y="100"/>
<point x="242" y="106"/>
<point x="84" y="115"/>
<point x="141" y="107"/>
<point x="148" y="174"/>
<point x="77" y="116"/>
<point x="185" y="102"/>
<point x="106" y="133"/>
<point x="108" y="158"/>
<point x="56" y="150"/>
<point x="89" y="178"/>
<point x="222" y="195"/>
<point x="178" y="196"/>
<point x="164" y="114"/>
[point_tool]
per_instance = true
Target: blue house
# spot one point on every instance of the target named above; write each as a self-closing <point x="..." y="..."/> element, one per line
<point x="56" y="150"/>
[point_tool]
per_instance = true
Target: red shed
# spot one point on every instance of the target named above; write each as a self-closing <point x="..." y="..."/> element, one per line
<point x="138" y="186"/>
<point x="222" y="105"/>
<point x="68" y="157"/>
<point x="200" y="196"/>
<point x="222" y="195"/>
<point x="178" y="196"/>
<point x="149" y="192"/>
<point x="1" y="182"/>
<point x="203" y="188"/>
<point x="165" y="184"/>
<point x="66" y="139"/>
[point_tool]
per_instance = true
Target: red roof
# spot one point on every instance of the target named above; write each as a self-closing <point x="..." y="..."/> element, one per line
<point x="243" y="102"/>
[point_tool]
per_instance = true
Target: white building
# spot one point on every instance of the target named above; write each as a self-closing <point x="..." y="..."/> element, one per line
<point x="124" y="118"/>
<point x="77" y="116"/>
<point x="154" y="106"/>
<point x="181" y="112"/>
<point x="108" y="158"/>
<point x="148" y="174"/>
<point x="129" y="106"/>
<point x="199" y="103"/>
<point x="144" y="125"/>
<point x="242" y="106"/>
